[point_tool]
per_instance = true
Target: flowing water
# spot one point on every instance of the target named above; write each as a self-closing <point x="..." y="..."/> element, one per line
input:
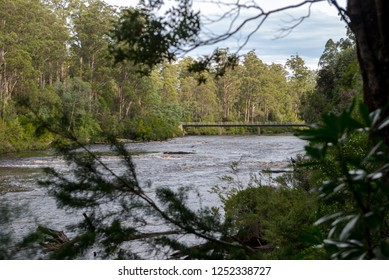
<point x="194" y="161"/>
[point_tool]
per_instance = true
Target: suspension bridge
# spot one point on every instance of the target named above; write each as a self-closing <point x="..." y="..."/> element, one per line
<point x="258" y="125"/>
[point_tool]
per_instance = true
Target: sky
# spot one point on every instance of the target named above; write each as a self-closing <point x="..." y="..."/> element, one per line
<point x="272" y="46"/>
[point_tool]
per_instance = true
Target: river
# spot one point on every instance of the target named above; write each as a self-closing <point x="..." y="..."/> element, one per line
<point x="198" y="162"/>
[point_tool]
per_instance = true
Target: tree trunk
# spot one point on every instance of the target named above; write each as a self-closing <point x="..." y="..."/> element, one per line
<point x="50" y="73"/>
<point x="62" y="75"/>
<point x="369" y="22"/>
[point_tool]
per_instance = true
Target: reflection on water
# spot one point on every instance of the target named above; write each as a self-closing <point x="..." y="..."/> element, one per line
<point x="197" y="162"/>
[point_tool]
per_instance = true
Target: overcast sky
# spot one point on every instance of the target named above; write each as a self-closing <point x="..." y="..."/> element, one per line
<point x="307" y="40"/>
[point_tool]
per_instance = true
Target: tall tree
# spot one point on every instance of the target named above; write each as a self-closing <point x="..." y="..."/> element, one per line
<point x="281" y="102"/>
<point x="369" y="23"/>
<point x="367" y="20"/>
<point x="228" y="92"/>
<point x="32" y="47"/>
<point x="228" y="87"/>
<point x="169" y="80"/>
<point x="301" y="81"/>
<point x="92" y="20"/>
<point x="338" y="80"/>
<point x="373" y="60"/>
<point x="252" y="81"/>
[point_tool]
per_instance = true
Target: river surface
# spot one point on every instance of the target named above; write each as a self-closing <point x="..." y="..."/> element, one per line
<point x="199" y="162"/>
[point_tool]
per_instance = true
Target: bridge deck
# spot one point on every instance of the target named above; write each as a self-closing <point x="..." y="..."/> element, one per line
<point x="253" y="124"/>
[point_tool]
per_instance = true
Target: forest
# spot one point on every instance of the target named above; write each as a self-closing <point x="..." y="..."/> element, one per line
<point x="57" y="67"/>
<point x="71" y="71"/>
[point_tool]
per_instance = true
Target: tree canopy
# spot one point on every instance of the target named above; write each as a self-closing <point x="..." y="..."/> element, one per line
<point x="83" y="70"/>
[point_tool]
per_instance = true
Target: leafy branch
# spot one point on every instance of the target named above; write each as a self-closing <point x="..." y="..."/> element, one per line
<point x="147" y="38"/>
<point x="92" y="184"/>
<point x="358" y="229"/>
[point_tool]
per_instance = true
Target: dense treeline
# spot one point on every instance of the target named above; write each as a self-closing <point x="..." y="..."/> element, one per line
<point x="56" y="67"/>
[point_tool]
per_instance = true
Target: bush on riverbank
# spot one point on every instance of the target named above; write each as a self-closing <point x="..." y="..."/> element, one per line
<point x="151" y="128"/>
<point x="294" y="218"/>
<point x="237" y="130"/>
<point x="272" y="218"/>
<point x="21" y="135"/>
<point x="334" y="204"/>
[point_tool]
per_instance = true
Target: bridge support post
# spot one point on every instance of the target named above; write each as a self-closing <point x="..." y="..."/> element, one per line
<point x="220" y="130"/>
<point x="181" y="127"/>
<point x="258" y="130"/>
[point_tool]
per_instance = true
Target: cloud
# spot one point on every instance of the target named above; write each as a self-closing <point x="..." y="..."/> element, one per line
<point x="307" y="39"/>
<point x="271" y="42"/>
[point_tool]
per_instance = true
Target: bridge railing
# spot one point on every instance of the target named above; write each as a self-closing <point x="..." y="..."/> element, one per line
<point x="242" y="124"/>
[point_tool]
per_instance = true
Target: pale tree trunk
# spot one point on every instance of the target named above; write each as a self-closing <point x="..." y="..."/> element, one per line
<point x="62" y="74"/>
<point x="226" y="99"/>
<point x="91" y="77"/>
<point x="369" y="21"/>
<point x="124" y="108"/>
<point x="2" y="83"/>
<point x="8" y="82"/>
<point x="50" y="73"/>
<point x="247" y="108"/>
<point x="121" y="102"/>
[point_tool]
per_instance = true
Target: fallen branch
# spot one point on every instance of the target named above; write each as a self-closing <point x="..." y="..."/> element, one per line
<point x="55" y="240"/>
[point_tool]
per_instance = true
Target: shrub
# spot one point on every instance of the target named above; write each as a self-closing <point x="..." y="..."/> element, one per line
<point x="274" y="218"/>
<point x="352" y="179"/>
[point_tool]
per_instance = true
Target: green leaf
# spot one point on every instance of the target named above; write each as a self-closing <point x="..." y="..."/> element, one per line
<point x="372" y="152"/>
<point x="358" y="174"/>
<point x="349" y="228"/>
<point x="364" y="113"/>
<point x="316" y="152"/>
<point x="384" y="124"/>
<point x="375" y="117"/>
<point x="327" y="218"/>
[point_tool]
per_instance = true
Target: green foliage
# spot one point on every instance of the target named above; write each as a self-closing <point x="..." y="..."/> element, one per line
<point x="338" y="81"/>
<point x="76" y="116"/>
<point x="273" y="219"/>
<point x="21" y="134"/>
<point x="152" y="127"/>
<point x="110" y="232"/>
<point x="218" y="64"/>
<point x="10" y="248"/>
<point x="56" y="68"/>
<point x="352" y="160"/>
<point x="146" y="39"/>
<point x="5" y="235"/>
<point x="276" y="219"/>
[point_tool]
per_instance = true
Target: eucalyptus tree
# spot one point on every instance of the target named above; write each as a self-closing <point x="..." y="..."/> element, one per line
<point x="76" y="118"/>
<point x="251" y="87"/>
<point x="228" y="92"/>
<point x="206" y="100"/>
<point x="200" y="99"/>
<point x="170" y="83"/>
<point x="187" y="83"/>
<point x="32" y="41"/>
<point x="338" y="80"/>
<point x="300" y="73"/>
<point x="301" y="81"/>
<point x="279" y="101"/>
<point x="177" y="31"/>
<point x="91" y="22"/>
<point x="52" y="37"/>
<point x="228" y="86"/>
<point x="183" y="34"/>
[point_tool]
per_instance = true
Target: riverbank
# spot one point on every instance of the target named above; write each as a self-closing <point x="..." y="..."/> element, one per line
<point x="182" y="159"/>
<point x="195" y="163"/>
<point x="269" y="131"/>
<point x="32" y="143"/>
